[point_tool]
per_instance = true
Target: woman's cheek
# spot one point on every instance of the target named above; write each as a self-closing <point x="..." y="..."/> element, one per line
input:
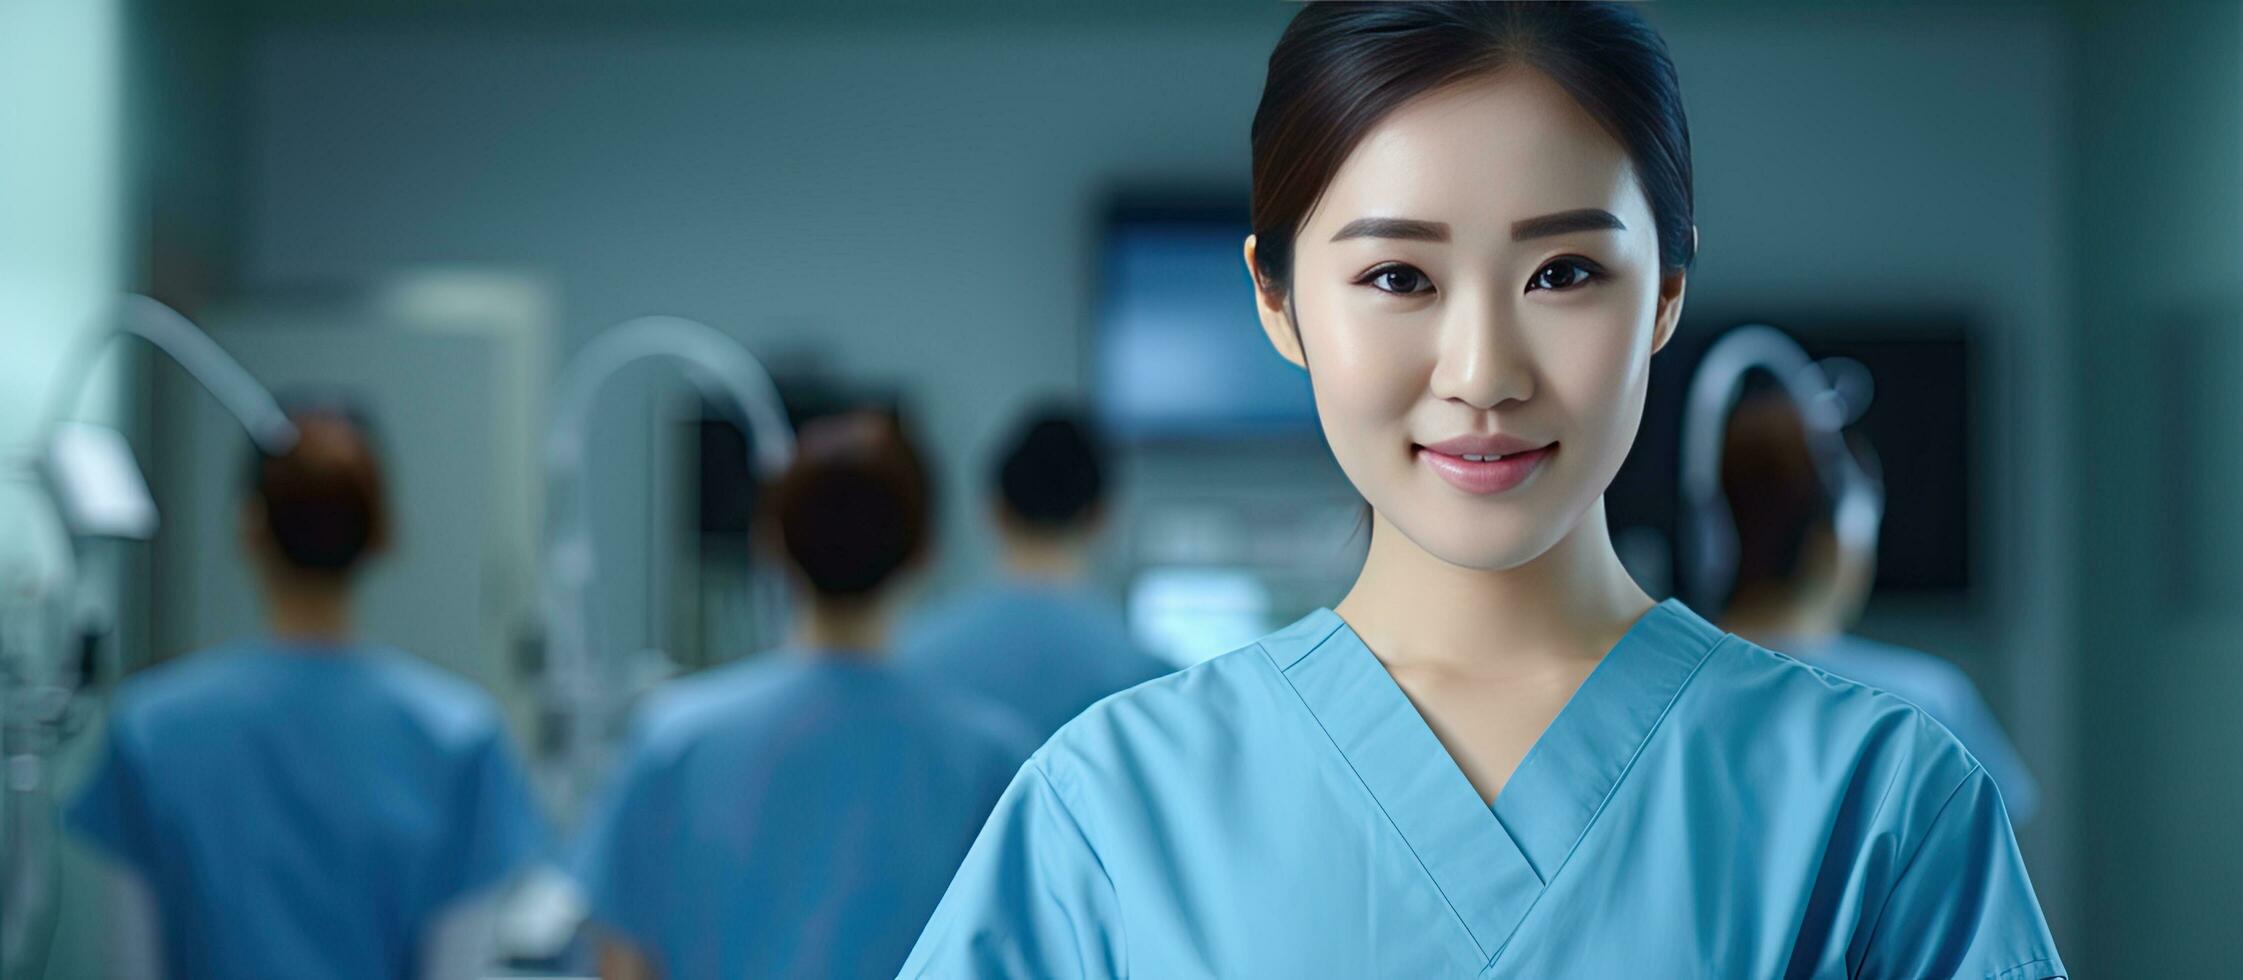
<point x="1365" y="363"/>
<point x="1598" y="349"/>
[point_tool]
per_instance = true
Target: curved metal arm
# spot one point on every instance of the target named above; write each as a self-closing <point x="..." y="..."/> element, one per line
<point x="716" y="363"/>
<point x="188" y="346"/>
<point x="1709" y="533"/>
<point x="723" y="370"/>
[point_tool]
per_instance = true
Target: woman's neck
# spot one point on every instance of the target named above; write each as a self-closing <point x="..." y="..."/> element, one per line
<point x="858" y="628"/>
<point x="1042" y="558"/>
<point x="1573" y="600"/>
<point x="307" y="614"/>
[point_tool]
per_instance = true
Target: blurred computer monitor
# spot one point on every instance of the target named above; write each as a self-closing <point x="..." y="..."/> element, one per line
<point x="1177" y="352"/>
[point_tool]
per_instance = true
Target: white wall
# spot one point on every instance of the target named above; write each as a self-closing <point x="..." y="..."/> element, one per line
<point x="918" y="205"/>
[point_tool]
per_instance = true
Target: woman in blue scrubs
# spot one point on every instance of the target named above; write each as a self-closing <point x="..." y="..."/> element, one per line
<point x="1495" y="756"/>
<point x="797" y="814"/>
<point x="307" y="804"/>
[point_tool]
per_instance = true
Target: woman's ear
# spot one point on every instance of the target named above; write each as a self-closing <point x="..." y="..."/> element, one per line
<point x="1670" y="308"/>
<point x="1670" y="300"/>
<point x="1277" y="321"/>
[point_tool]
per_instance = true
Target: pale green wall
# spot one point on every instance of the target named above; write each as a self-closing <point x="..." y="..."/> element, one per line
<point x="62" y="251"/>
<point x="2158" y="272"/>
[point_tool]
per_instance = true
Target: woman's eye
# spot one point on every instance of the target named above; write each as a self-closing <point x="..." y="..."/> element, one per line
<point x="1561" y="274"/>
<point x="1398" y="279"/>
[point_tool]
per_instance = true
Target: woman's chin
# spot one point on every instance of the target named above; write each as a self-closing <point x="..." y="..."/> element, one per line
<point x="1485" y="544"/>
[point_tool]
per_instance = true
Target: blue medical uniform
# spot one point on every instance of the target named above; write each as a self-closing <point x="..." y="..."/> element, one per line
<point x="1701" y="807"/>
<point x="306" y="812"/>
<point x="1943" y="691"/>
<point x="793" y="816"/>
<point x="1046" y="651"/>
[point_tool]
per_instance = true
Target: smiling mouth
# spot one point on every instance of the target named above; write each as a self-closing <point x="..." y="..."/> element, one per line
<point x="1484" y="474"/>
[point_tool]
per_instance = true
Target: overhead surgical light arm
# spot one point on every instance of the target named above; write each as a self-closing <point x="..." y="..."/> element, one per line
<point x="95" y="486"/>
<point x="724" y="372"/>
<point x="1708" y="529"/>
<point x="89" y="471"/>
<point x="178" y="337"/>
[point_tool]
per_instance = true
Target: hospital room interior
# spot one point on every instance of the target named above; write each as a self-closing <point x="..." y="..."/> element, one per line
<point x="592" y="311"/>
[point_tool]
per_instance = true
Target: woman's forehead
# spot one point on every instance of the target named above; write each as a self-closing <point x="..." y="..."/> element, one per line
<point x="1487" y="151"/>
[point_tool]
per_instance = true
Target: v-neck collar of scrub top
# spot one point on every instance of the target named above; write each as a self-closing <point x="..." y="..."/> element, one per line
<point x="1491" y="863"/>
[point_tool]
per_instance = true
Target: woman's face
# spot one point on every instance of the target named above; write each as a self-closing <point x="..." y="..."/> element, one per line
<point x="1478" y="295"/>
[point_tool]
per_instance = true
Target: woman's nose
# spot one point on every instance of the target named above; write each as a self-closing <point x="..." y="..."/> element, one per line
<point x="1481" y="361"/>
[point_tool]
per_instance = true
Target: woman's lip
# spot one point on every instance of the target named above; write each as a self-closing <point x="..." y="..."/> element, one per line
<point x="1491" y="444"/>
<point x="1485" y="477"/>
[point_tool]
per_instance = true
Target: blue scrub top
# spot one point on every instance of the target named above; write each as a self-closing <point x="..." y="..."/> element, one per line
<point x="306" y="812"/>
<point x="1046" y="651"/>
<point x="792" y="816"/>
<point x="1701" y="807"/>
<point x="1943" y="691"/>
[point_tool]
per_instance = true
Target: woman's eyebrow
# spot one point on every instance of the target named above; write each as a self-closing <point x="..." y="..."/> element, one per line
<point x="1543" y="226"/>
<point x="1407" y="228"/>
<point x="1565" y="222"/>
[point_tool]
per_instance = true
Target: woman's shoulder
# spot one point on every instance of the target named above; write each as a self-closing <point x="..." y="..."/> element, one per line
<point x="1181" y="723"/>
<point x="1753" y="701"/>
<point x="449" y="709"/>
<point x="684" y="710"/>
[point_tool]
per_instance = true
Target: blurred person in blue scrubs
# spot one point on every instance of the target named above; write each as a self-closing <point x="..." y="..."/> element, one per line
<point x="798" y="814"/>
<point x="306" y="803"/>
<point x="1800" y="585"/>
<point x="1038" y="640"/>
